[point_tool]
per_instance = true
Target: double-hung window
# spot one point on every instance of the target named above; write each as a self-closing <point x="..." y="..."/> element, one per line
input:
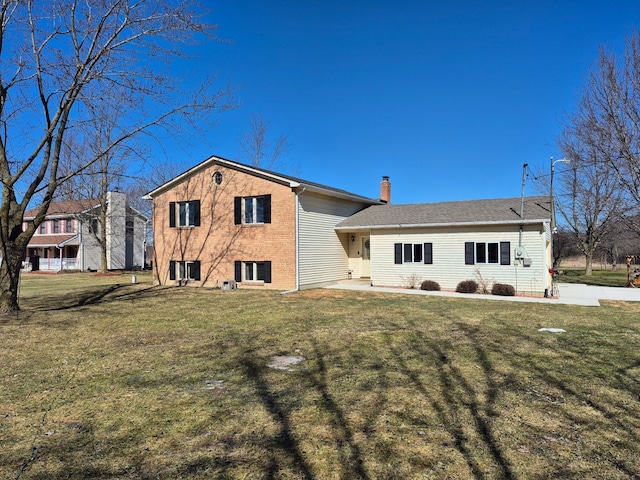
<point x="413" y="253"/>
<point x="68" y="226"/>
<point x="252" y="210"/>
<point x="43" y="228"/>
<point x="487" y="252"/>
<point x="253" y="271"/>
<point x="56" y="226"/>
<point x="184" y="270"/>
<point x="184" y="214"/>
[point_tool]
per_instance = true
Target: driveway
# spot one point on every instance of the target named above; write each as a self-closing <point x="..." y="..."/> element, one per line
<point x="570" y="294"/>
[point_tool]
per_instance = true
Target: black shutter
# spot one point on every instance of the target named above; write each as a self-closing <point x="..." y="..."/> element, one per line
<point x="172" y="270"/>
<point x="267" y="272"/>
<point x="469" y="253"/>
<point x="505" y="253"/>
<point x="397" y="247"/>
<point x="237" y="210"/>
<point x="267" y="209"/>
<point x="196" y="215"/>
<point x="238" y="271"/>
<point x="172" y="215"/>
<point x="196" y="270"/>
<point x="428" y="253"/>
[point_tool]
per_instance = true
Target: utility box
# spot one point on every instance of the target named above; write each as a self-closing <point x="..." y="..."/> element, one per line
<point x="526" y="262"/>
<point x="229" y="285"/>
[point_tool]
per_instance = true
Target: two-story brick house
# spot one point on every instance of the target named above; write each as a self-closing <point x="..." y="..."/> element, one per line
<point x="222" y="221"/>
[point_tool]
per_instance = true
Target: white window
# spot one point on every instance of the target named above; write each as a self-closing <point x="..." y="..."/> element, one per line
<point x="254" y="208"/>
<point x="254" y="271"/>
<point x="187" y="214"/>
<point x="186" y="271"/>
<point x="487" y="252"/>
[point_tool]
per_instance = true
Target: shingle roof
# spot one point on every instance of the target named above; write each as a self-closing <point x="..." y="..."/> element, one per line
<point x="275" y="176"/>
<point x="64" y="208"/>
<point x="470" y="212"/>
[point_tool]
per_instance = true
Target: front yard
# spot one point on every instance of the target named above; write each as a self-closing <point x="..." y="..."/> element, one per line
<point x="106" y="379"/>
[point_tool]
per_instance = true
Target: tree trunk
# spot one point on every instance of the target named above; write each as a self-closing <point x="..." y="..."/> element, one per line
<point x="10" y="280"/>
<point x="589" y="264"/>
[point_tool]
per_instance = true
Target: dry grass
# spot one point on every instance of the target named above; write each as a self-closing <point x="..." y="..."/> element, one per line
<point x="111" y="380"/>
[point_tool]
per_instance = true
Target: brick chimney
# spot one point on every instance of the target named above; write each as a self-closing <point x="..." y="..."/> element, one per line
<point x="385" y="190"/>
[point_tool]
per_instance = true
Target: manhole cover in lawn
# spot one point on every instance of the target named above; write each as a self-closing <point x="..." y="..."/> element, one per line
<point x="284" y="362"/>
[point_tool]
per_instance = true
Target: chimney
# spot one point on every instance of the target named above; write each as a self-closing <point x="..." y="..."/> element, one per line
<point x="385" y="190"/>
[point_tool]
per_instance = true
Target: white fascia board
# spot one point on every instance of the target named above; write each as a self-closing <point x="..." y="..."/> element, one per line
<point x="447" y="224"/>
<point x="227" y="163"/>
<point x="304" y="187"/>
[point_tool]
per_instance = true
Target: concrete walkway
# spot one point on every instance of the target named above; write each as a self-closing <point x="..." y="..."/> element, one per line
<point x="569" y="294"/>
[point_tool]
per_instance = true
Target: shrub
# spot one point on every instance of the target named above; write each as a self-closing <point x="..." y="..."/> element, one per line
<point x="467" y="286"/>
<point x="430" y="286"/>
<point x="503" y="289"/>
<point x="411" y="281"/>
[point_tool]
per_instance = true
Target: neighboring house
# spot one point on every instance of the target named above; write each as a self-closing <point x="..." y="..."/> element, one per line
<point x="67" y="239"/>
<point x="223" y="222"/>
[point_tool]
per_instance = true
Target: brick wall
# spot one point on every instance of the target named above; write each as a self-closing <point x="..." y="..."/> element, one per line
<point x="217" y="243"/>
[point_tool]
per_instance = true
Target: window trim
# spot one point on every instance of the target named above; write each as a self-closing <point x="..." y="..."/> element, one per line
<point x="180" y="269"/>
<point x="423" y="251"/>
<point x="239" y="209"/>
<point x="500" y="256"/>
<point x="176" y="217"/>
<point x="240" y="269"/>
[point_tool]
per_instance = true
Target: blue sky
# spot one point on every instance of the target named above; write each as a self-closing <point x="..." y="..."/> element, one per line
<point x="449" y="99"/>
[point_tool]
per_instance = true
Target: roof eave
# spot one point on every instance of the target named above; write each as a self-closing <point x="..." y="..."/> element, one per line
<point x="443" y="224"/>
<point x="220" y="161"/>
<point x="304" y="187"/>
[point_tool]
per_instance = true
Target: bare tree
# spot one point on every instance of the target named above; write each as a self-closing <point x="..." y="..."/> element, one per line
<point x="61" y="60"/>
<point x="609" y="113"/>
<point x="257" y="149"/>
<point x="589" y="196"/>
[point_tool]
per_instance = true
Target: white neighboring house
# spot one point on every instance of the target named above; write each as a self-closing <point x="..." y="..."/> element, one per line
<point x="67" y="238"/>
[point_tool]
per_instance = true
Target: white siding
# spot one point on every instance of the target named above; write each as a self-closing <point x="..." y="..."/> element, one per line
<point x="322" y="252"/>
<point x="448" y="268"/>
<point x="89" y="254"/>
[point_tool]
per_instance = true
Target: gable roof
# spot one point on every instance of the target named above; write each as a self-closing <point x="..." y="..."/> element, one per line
<point x="471" y="212"/>
<point x="64" y="208"/>
<point x="292" y="182"/>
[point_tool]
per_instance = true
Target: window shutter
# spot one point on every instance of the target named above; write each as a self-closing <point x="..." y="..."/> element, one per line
<point x="172" y="270"/>
<point x="267" y="272"/>
<point x="238" y="271"/>
<point x="237" y="210"/>
<point x="172" y="215"/>
<point x="196" y="214"/>
<point x="428" y="253"/>
<point x="267" y="209"/>
<point x="505" y="253"/>
<point x="397" y="247"/>
<point x="196" y="270"/>
<point x="469" y="250"/>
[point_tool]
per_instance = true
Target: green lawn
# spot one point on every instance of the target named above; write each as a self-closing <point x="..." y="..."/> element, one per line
<point x="604" y="278"/>
<point x="105" y="379"/>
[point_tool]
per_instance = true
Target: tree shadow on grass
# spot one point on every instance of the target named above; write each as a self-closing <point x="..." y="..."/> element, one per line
<point x="454" y="399"/>
<point x="284" y="442"/>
